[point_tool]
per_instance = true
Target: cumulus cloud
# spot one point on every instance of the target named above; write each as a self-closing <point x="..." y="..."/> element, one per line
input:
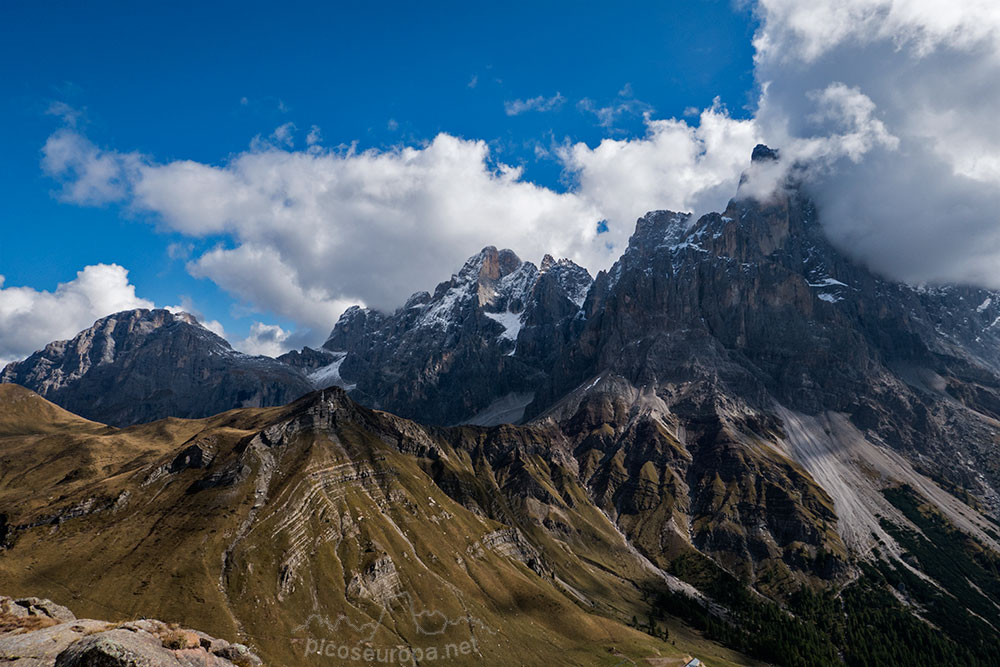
<point x="266" y="339"/>
<point x="908" y="144"/>
<point x="675" y="165"/>
<point x="846" y="129"/>
<point x="260" y="276"/>
<point x="540" y="103"/>
<point x="30" y="319"/>
<point x="87" y="174"/>
<point x="807" y="31"/>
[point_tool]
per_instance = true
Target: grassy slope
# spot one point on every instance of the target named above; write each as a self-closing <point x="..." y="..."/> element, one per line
<point x="304" y="550"/>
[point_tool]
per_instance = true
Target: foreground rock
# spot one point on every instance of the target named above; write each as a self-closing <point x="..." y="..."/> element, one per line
<point x="40" y="633"/>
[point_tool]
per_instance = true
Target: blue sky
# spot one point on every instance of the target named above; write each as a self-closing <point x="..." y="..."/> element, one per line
<point x="177" y="140"/>
<point x="199" y="80"/>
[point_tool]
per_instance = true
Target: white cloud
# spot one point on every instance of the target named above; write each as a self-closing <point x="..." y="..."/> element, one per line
<point x="265" y="339"/>
<point x="70" y="115"/>
<point x="850" y="130"/>
<point x="30" y="319"/>
<point x="676" y="166"/>
<point x="796" y="31"/>
<point x="909" y="147"/>
<point x="540" y="103"/>
<point x="314" y="136"/>
<point x="179" y="250"/>
<point x="261" y="277"/>
<point x="283" y="135"/>
<point x="625" y="104"/>
<point x="88" y="175"/>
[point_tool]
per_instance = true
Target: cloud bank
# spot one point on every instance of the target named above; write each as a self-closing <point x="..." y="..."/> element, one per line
<point x="314" y="231"/>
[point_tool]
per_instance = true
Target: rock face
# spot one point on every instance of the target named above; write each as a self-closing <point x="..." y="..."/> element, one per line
<point x="729" y="316"/>
<point x="473" y="351"/>
<point x="40" y="633"/>
<point x="140" y="365"/>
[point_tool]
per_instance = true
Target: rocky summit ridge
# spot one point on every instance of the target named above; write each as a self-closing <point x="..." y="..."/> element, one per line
<point x="473" y="351"/>
<point x="140" y="365"/>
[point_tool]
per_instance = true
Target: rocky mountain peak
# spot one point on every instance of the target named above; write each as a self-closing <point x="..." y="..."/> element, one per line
<point x="139" y="365"/>
<point x="763" y="153"/>
<point x="572" y="280"/>
<point x="486" y="325"/>
<point x="62" y="362"/>
<point x="658" y="229"/>
<point x="490" y="264"/>
<point x="357" y="322"/>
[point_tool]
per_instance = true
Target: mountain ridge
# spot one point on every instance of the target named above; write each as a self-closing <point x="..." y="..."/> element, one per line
<point x="141" y="364"/>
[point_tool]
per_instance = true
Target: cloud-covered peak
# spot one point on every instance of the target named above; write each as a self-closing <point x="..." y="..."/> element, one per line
<point x="893" y="103"/>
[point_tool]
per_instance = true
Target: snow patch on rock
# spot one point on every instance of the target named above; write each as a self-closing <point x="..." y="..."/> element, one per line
<point x="511" y="323"/>
<point x="329" y="375"/>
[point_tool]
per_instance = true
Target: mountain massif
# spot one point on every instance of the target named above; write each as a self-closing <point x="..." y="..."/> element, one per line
<point x="475" y="351"/>
<point x="140" y="365"/>
<point x="737" y="433"/>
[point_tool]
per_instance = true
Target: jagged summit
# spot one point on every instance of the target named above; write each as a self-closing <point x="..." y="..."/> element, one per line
<point x="65" y="361"/>
<point x="659" y="228"/>
<point x="762" y="153"/>
<point x="470" y="344"/>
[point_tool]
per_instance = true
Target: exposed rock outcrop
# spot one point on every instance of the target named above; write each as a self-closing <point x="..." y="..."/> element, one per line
<point x="40" y="633"/>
